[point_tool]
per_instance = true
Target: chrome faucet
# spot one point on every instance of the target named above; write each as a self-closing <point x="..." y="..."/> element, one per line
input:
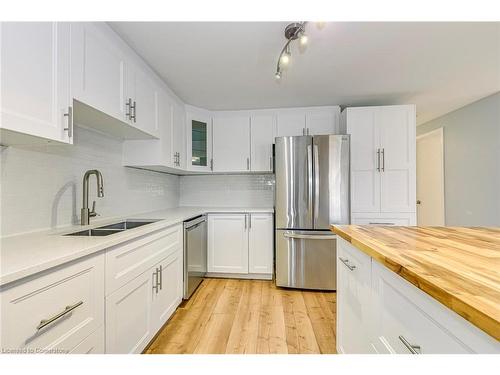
<point x="86" y="213"/>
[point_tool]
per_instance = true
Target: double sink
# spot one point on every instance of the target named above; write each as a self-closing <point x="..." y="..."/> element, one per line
<point x="106" y="230"/>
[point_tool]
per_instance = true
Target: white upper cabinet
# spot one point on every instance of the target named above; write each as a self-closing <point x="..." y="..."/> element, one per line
<point x="290" y="123"/>
<point x="35" y="81"/>
<point x="199" y="140"/>
<point x="382" y="159"/>
<point x="323" y="121"/>
<point x="231" y="143"/>
<point x="179" y="136"/>
<point x="98" y="67"/>
<point x="262" y="138"/>
<point x="142" y="99"/>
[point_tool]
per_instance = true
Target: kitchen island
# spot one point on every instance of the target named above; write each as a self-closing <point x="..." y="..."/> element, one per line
<point x="418" y="290"/>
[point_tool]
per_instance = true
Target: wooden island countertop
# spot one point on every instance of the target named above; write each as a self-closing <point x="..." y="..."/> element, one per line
<point x="459" y="267"/>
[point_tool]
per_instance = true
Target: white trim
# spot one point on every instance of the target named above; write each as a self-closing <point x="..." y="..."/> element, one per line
<point x="440" y="131"/>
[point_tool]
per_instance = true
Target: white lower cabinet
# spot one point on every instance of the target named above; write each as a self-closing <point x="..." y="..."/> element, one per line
<point x="378" y="311"/>
<point x="240" y="243"/>
<point x="92" y="344"/>
<point x="167" y="294"/>
<point x="54" y="311"/>
<point x="353" y="299"/>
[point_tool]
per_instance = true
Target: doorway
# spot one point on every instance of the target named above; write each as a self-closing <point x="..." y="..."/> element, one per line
<point x="430" y="179"/>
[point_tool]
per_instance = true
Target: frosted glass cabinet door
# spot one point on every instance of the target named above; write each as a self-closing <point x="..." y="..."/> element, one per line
<point x="35" y="78"/>
<point x="199" y="142"/>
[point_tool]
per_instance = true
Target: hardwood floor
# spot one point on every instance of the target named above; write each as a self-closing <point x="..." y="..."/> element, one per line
<point x="250" y="317"/>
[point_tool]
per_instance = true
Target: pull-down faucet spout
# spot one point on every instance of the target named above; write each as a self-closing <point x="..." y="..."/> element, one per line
<point x="86" y="214"/>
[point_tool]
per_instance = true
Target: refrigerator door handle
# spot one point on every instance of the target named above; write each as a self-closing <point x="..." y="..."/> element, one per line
<point x="310" y="180"/>
<point x="316" y="182"/>
<point x="310" y="236"/>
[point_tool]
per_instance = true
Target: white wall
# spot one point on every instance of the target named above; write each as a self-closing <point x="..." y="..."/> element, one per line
<point x="471" y="162"/>
<point x="41" y="186"/>
<point x="227" y="190"/>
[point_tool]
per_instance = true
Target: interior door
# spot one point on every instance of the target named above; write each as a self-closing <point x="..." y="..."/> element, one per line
<point x="365" y="177"/>
<point x="231" y="143"/>
<point x="306" y="259"/>
<point x="331" y="180"/>
<point x="294" y="182"/>
<point x="35" y="78"/>
<point x="397" y="142"/>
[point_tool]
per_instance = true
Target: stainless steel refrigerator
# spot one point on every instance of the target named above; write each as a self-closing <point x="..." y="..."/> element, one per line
<point x="312" y="192"/>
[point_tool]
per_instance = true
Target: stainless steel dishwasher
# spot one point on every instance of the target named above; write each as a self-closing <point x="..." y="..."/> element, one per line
<point x="195" y="253"/>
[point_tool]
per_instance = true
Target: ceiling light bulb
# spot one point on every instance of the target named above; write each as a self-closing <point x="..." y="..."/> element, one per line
<point x="303" y="39"/>
<point x="278" y="75"/>
<point x="285" y="59"/>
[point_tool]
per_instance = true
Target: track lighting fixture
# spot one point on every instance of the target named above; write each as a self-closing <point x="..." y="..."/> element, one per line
<point x="293" y="31"/>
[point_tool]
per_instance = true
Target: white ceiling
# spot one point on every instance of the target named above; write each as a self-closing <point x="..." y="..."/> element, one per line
<point x="218" y="65"/>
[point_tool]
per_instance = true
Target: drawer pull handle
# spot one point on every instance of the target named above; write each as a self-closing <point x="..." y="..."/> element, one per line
<point x="346" y="262"/>
<point x="414" y="349"/>
<point x="67" y="309"/>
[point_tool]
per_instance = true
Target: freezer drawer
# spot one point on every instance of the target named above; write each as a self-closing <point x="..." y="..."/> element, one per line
<point x="306" y="259"/>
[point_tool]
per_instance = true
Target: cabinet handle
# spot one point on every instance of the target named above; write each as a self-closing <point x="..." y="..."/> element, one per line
<point x="69" y="115"/>
<point x="211" y="164"/>
<point x="161" y="277"/>
<point x="248" y="164"/>
<point x="128" y="104"/>
<point x="414" y="349"/>
<point x="271" y="163"/>
<point x="133" y="107"/>
<point x="346" y="263"/>
<point x="249" y="221"/>
<point x="303" y="131"/>
<point x="378" y="160"/>
<point x="383" y="160"/>
<point x="246" y="222"/>
<point x="67" y="309"/>
<point x="155" y="281"/>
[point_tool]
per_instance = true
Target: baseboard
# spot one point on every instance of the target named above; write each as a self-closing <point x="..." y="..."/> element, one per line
<point x="251" y="276"/>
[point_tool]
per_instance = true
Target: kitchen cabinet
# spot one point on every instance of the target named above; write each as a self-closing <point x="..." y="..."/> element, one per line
<point x="141" y="99"/>
<point x="353" y="300"/>
<point x="240" y="243"/>
<point x="167" y="292"/>
<point x="98" y="70"/>
<point x="380" y="312"/>
<point x="92" y="344"/>
<point x="227" y="243"/>
<point x="55" y="310"/>
<point x="128" y="316"/>
<point x="291" y="123"/>
<point x="383" y="158"/>
<point x="261" y="142"/>
<point x="179" y="136"/>
<point x="260" y="243"/>
<point x="199" y="140"/>
<point x="35" y="82"/>
<point x="308" y="121"/>
<point x="231" y="143"/>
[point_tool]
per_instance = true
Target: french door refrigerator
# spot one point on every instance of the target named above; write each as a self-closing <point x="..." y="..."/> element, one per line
<point x="312" y="192"/>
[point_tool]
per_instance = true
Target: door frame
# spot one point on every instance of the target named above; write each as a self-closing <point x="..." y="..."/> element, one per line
<point x="439" y="131"/>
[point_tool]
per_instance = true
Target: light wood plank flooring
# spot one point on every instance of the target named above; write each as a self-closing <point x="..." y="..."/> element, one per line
<point x="250" y="316"/>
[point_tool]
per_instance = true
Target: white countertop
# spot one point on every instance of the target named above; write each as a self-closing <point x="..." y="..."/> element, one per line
<point x="26" y="254"/>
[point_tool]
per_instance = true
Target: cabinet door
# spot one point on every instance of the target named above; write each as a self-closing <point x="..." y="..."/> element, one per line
<point x="199" y="142"/>
<point x="179" y="136"/>
<point x="398" y="167"/>
<point x="128" y="316"/>
<point x="98" y="70"/>
<point x="166" y="127"/>
<point x="35" y="78"/>
<point x="291" y="123"/>
<point x="322" y="121"/>
<point x="353" y="300"/>
<point x="168" y="293"/>
<point x="262" y="138"/>
<point x="231" y="143"/>
<point x="365" y="177"/>
<point x="228" y="243"/>
<point x="260" y="243"/>
<point x="143" y="93"/>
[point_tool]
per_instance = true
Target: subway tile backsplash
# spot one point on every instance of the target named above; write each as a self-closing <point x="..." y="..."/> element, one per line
<point x="41" y="186"/>
<point x="227" y="190"/>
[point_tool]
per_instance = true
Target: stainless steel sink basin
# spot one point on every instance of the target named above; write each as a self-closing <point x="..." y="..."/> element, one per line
<point x="106" y="230"/>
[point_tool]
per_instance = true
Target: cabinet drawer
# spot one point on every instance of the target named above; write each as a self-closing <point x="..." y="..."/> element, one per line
<point x="56" y="310"/>
<point x="93" y="344"/>
<point x="404" y="222"/>
<point x="404" y="313"/>
<point x="127" y="261"/>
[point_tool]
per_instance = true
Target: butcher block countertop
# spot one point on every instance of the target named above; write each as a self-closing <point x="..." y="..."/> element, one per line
<point x="459" y="267"/>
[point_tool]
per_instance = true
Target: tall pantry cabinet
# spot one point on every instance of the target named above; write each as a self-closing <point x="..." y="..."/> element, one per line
<point x="383" y="164"/>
